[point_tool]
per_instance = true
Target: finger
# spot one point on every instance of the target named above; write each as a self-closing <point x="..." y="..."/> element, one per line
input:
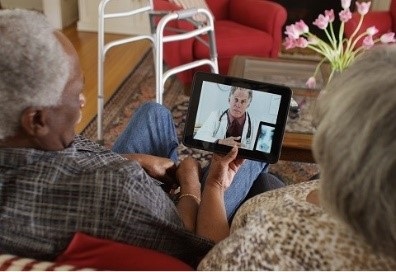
<point x="232" y="154"/>
<point x="239" y="161"/>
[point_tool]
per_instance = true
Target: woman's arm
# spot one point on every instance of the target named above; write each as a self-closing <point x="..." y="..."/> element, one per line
<point x="190" y="192"/>
<point x="212" y="220"/>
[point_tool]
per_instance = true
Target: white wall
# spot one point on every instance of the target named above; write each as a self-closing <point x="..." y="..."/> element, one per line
<point x="137" y="24"/>
<point x="26" y="4"/>
<point x="60" y="13"/>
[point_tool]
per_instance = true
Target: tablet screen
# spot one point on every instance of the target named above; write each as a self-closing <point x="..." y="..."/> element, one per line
<point x="226" y="111"/>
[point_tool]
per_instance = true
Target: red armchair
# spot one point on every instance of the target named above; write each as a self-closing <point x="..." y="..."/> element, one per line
<point x="384" y="21"/>
<point x="242" y="27"/>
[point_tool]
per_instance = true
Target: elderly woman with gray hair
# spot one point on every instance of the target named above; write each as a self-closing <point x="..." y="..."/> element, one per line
<point x="347" y="219"/>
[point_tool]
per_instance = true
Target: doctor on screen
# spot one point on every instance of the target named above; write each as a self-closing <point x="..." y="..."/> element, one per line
<point x="233" y="125"/>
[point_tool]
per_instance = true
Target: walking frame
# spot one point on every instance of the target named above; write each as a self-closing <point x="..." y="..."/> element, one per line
<point x="159" y="21"/>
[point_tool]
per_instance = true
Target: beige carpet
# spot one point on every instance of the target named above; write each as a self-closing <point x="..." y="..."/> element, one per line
<point x="139" y="87"/>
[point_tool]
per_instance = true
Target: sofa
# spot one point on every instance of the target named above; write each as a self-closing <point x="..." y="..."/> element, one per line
<point x="242" y="27"/>
<point x="90" y="253"/>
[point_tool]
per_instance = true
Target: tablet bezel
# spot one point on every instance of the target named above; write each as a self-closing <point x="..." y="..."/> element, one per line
<point x="284" y="92"/>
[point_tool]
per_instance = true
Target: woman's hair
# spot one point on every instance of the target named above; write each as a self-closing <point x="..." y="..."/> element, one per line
<point x="33" y="66"/>
<point x="355" y="146"/>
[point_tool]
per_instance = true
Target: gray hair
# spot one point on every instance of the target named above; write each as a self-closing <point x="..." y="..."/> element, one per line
<point x="34" y="67"/>
<point x="234" y="88"/>
<point x="355" y="147"/>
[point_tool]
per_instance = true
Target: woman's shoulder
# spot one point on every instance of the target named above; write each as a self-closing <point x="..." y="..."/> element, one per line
<point x="279" y="230"/>
<point x="285" y="196"/>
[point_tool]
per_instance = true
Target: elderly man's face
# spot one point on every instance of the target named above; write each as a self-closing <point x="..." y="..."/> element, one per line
<point x="239" y="102"/>
<point x="67" y="114"/>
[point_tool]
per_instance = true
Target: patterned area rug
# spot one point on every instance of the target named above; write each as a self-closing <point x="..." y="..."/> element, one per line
<point x="139" y="87"/>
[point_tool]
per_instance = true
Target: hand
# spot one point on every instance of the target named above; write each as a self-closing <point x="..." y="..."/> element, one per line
<point x="162" y="169"/>
<point x="223" y="169"/>
<point x="231" y="141"/>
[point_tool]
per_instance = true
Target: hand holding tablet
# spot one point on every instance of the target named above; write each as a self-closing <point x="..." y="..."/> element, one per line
<point x="226" y="111"/>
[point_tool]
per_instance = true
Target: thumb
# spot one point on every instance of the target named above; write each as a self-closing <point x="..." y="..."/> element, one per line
<point x="232" y="154"/>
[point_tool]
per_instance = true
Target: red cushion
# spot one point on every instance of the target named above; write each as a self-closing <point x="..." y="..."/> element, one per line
<point x="88" y="251"/>
<point x="219" y="8"/>
<point x="235" y="39"/>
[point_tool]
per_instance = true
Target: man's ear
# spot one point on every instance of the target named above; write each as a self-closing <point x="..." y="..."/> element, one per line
<point x="34" y="121"/>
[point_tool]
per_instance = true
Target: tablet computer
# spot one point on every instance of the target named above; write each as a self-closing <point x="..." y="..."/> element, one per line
<point x="225" y="111"/>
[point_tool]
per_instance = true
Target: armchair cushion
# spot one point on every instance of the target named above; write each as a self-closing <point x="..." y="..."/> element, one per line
<point x="250" y="41"/>
<point x="88" y="251"/>
<point x="219" y="8"/>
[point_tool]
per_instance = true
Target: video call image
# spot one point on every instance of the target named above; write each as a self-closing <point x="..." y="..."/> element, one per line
<point x="233" y="115"/>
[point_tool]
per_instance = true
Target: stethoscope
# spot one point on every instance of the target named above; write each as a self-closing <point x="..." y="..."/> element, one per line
<point x="249" y="131"/>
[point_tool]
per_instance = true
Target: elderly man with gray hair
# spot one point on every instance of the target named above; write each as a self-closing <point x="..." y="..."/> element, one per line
<point x="54" y="183"/>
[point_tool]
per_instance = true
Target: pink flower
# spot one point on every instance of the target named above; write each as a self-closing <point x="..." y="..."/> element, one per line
<point x="321" y="21"/>
<point x="345" y="4"/>
<point x="371" y="31"/>
<point x="368" y="42"/>
<point x="311" y="82"/>
<point x="345" y="15"/>
<point x="336" y="49"/>
<point x="363" y="7"/>
<point x="301" y="27"/>
<point x="292" y="32"/>
<point x="289" y="43"/>
<point x="388" y="37"/>
<point x="301" y="42"/>
<point x="330" y="14"/>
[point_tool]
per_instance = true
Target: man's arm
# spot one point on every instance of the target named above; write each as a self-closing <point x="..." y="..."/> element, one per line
<point x="162" y="169"/>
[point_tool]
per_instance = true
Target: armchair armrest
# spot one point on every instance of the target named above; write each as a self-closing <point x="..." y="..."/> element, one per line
<point x="382" y="20"/>
<point x="261" y="14"/>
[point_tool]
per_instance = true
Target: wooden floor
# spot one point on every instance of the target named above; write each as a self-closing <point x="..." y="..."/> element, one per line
<point x="120" y="61"/>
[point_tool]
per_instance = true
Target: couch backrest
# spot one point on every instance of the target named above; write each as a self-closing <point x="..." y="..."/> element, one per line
<point x="219" y="8"/>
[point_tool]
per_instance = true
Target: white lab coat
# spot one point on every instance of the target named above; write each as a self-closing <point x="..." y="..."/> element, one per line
<point x="215" y="128"/>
